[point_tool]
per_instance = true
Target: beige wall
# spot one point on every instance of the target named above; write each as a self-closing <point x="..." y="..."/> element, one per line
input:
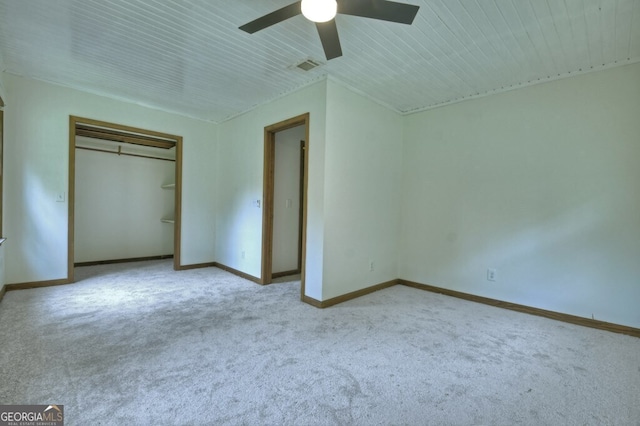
<point x="239" y="168"/>
<point x="540" y="183"/>
<point x="286" y="199"/>
<point x="4" y="97"/>
<point x="119" y="202"/>
<point x="362" y="192"/>
<point x="37" y="169"/>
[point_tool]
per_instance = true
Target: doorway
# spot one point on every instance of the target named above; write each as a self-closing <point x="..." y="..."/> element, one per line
<point x="286" y="202"/>
<point x="129" y="142"/>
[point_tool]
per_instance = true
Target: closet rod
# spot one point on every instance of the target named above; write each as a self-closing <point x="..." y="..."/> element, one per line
<point x="123" y="153"/>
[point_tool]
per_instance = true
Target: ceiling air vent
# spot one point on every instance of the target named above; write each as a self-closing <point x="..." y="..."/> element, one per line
<point x="308" y="65"/>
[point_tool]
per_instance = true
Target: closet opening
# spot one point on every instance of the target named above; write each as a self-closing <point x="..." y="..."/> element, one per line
<point x="125" y="187"/>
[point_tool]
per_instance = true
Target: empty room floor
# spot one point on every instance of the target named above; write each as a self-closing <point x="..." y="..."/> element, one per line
<point x="140" y="343"/>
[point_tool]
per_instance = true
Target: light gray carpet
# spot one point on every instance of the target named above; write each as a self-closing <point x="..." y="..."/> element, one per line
<point x="137" y="344"/>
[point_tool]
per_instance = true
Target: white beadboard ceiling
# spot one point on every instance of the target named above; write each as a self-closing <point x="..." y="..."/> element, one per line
<point x="189" y="57"/>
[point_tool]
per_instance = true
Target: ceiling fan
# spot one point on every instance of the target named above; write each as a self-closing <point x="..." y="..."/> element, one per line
<point x="323" y="12"/>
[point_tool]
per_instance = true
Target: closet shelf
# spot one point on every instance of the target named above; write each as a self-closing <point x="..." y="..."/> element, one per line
<point x="169" y="186"/>
<point x="167" y="220"/>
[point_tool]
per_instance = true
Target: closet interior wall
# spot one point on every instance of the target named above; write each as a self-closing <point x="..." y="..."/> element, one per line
<point x="124" y="201"/>
<point x="286" y="257"/>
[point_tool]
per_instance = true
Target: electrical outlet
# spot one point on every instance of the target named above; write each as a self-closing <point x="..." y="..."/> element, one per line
<point x="491" y="274"/>
<point x="371" y="268"/>
<point x="242" y="254"/>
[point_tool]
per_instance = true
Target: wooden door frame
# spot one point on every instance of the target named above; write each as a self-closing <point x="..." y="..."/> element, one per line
<point x="1" y="160"/>
<point x="73" y="121"/>
<point x="268" y="190"/>
<point x="301" y="198"/>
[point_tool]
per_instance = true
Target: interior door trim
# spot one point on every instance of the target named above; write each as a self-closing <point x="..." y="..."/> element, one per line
<point x="74" y="121"/>
<point x="268" y="190"/>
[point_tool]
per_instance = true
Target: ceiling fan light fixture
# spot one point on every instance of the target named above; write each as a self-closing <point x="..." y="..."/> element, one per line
<point x="319" y="10"/>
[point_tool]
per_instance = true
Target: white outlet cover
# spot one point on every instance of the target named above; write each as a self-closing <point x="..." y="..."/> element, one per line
<point x="491" y="274"/>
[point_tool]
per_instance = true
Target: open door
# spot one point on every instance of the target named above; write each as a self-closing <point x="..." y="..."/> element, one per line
<point x="267" y="273"/>
<point x="100" y="130"/>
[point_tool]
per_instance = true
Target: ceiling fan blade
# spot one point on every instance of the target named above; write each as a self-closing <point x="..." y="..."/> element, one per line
<point x="379" y="9"/>
<point x="272" y="18"/>
<point x="329" y="36"/>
